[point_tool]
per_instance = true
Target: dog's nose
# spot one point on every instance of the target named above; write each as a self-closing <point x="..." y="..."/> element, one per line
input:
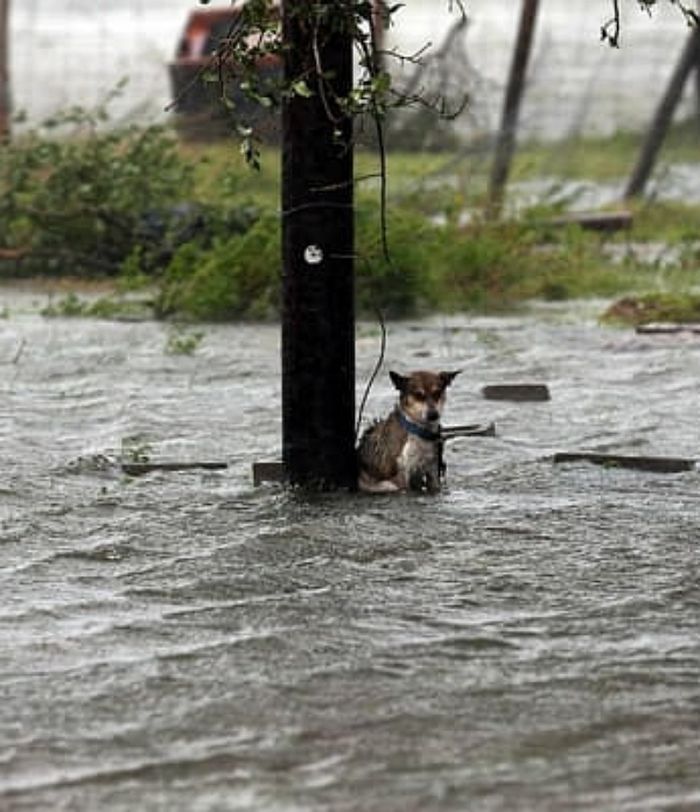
<point x="433" y="414"/>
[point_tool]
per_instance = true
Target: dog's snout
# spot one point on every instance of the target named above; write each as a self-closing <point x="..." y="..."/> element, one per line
<point x="433" y="414"/>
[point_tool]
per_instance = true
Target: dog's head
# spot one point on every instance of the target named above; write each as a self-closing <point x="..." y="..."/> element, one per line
<point x="422" y="393"/>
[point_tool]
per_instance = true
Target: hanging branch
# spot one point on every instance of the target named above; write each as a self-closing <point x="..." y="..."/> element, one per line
<point x="610" y="30"/>
<point x="255" y="35"/>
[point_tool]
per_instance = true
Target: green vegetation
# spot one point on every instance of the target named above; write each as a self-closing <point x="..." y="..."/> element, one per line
<point x="677" y="308"/>
<point x="79" y="204"/>
<point x="604" y="158"/>
<point x="113" y="306"/>
<point x="190" y="232"/>
<point x="135" y="448"/>
<point x="183" y="342"/>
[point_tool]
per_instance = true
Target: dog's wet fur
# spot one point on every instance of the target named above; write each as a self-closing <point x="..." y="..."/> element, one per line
<point x="403" y="452"/>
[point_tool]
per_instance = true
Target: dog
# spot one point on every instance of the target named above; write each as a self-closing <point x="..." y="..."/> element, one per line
<point x="403" y="452"/>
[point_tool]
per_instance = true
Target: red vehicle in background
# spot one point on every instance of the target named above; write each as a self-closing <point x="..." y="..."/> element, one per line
<point x="196" y="82"/>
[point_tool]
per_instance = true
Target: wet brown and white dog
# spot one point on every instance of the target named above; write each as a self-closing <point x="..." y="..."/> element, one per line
<point x="404" y="451"/>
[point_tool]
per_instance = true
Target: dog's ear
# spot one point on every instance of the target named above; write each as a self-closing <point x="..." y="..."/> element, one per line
<point x="448" y="377"/>
<point x="399" y="381"/>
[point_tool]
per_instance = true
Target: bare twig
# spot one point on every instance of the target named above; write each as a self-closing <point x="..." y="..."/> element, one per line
<point x="610" y="30"/>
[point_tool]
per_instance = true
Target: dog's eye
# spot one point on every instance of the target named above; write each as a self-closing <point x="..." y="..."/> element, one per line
<point x="436" y="395"/>
<point x="419" y="394"/>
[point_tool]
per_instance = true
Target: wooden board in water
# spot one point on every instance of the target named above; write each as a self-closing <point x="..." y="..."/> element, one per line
<point x="659" y="465"/>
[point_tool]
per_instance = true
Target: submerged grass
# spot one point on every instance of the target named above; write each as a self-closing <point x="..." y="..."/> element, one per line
<point x="444" y="255"/>
<point x="219" y="259"/>
<point x="604" y="158"/>
<point x="480" y="267"/>
<point x="664" y="307"/>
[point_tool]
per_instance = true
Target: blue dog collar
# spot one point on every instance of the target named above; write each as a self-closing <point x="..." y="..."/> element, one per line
<point x="416" y="429"/>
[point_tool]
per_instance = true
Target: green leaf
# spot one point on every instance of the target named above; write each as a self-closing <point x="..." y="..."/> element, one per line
<point x="300" y="88"/>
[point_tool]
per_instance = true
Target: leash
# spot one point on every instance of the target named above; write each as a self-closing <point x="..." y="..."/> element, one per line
<point x="374" y="374"/>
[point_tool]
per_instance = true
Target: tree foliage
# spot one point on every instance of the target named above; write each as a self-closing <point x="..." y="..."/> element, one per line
<point x="255" y="36"/>
<point x="81" y="197"/>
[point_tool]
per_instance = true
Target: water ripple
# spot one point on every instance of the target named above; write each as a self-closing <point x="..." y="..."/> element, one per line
<point x="525" y="640"/>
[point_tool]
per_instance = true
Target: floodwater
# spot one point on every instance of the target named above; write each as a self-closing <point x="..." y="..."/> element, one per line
<point x="527" y="640"/>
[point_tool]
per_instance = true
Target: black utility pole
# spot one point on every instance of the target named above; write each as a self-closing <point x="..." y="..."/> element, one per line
<point x="318" y="319"/>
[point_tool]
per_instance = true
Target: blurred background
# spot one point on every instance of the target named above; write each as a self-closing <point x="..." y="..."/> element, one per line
<point x="66" y="52"/>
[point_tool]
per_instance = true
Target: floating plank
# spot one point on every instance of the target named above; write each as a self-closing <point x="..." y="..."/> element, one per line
<point x="140" y="468"/>
<point x="469" y="430"/>
<point x="269" y="472"/>
<point x="604" y="221"/>
<point x="516" y="391"/>
<point x="664" y="328"/>
<point x="659" y="465"/>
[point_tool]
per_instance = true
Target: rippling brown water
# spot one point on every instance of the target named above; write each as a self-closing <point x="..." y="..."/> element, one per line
<point x="528" y="640"/>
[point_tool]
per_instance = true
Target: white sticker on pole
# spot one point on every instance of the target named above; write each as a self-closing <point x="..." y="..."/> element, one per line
<point x="313" y="255"/>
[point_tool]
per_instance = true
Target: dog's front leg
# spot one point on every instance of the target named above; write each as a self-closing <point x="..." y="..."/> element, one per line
<point x="432" y="482"/>
<point x="433" y="479"/>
